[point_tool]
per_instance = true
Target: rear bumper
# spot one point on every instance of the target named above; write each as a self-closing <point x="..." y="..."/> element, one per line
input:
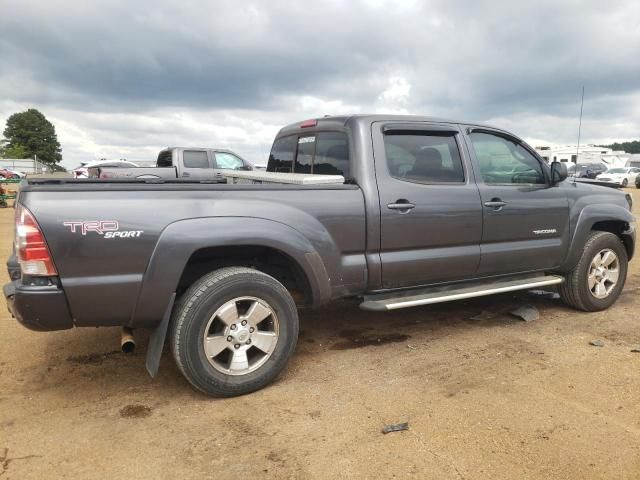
<point x="38" y="308"/>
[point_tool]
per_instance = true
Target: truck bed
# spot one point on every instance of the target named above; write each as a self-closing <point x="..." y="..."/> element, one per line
<point x="105" y="274"/>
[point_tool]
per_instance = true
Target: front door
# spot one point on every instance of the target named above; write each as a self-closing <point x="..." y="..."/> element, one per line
<point x="431" y="216"/>
<point x="525" y="218"/>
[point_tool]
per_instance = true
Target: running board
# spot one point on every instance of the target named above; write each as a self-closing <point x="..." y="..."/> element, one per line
<point x="447" y="293"/>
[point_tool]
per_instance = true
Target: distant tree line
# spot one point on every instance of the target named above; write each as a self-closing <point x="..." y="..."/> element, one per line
<point x="629" y="147"/>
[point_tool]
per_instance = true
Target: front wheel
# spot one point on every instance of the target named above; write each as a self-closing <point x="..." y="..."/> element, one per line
<point x="233" y="331"/>
<point x="625" y="182"/>
<point x="596" y="281"/>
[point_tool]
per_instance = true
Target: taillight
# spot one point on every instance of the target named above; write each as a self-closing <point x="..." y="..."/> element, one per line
<point x="31" y="247"/>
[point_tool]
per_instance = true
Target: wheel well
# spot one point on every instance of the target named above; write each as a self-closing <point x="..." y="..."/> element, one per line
<point x="265" y="259"/>
<point x="617" y="228"/>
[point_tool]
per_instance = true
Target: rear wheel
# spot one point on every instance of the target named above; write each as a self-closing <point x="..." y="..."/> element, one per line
<point x="596" y="281"/>
<point x="233" y="331"/>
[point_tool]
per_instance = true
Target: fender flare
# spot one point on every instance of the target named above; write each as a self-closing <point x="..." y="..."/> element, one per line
<point x="589" y="216"/>
<point x="179" y="240"/>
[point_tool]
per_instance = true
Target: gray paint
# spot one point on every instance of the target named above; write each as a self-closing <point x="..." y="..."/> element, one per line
<point x="344" y="238"/>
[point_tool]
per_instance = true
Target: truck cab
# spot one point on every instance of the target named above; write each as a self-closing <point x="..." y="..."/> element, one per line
<point x="201" y="163"/>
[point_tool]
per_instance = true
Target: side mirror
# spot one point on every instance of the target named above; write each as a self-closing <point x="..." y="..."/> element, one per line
<point x="558" y="172"/>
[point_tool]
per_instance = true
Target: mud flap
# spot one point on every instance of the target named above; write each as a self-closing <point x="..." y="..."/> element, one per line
<point x="156" y="340"/>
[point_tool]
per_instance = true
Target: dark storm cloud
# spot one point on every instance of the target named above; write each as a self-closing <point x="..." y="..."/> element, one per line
<point x="489" y="56"/>
<point x="207" y="55"/>
<point x="122" y="65"/>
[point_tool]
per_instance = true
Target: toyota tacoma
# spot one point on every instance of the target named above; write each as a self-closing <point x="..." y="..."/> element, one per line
<point x="430" y="210"/>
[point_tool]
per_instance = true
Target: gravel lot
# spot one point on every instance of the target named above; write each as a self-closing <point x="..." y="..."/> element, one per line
<point x="491" y="397"/>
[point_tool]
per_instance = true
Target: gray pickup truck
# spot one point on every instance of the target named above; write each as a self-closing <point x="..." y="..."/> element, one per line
<point x="180" y="162"/>
<point x="430" y="211"/>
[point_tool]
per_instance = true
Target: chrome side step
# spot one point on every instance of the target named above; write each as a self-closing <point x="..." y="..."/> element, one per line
<point x="447" y="293"/>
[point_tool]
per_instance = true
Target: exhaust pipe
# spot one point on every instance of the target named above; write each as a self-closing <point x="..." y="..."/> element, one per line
<point x="127" y="342"/>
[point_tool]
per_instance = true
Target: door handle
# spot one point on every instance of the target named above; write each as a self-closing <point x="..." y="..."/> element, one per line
<point x="186" y="174"/>
<point x="495" y="203"/>
<point x="403" y="205"/>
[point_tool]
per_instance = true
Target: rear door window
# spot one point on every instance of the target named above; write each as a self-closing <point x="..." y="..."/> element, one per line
<point x="423" y="157"/>
<point x="195" y="159"/>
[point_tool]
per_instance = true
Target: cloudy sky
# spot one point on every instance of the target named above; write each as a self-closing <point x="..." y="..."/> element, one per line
<point x="122" y="79"/>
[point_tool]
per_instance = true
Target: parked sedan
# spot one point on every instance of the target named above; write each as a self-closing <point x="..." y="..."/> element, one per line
<point x="622" y="176"/>
<point x="83" y="170"/>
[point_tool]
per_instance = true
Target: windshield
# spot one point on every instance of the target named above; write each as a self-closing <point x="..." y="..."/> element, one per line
<point x="618" y="170"/>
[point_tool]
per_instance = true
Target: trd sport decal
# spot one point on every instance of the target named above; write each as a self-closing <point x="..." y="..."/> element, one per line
<point x="106" y="228"/>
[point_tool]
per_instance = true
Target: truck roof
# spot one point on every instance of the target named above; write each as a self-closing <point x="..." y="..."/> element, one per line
<point x="226" y="150"/>
<point x="341" y="121"/>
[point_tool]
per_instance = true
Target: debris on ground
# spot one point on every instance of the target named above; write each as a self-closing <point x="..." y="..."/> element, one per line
<point x="635" y="349"/>
<point x="528" y="313"/>
<point x="135" y="411"/>
<point x="92" y="358"/>
<point x="596" y="343"/>
<point x="397" y="427"/>
<point x="483" y="315"/>
<point x="545" y="294"/>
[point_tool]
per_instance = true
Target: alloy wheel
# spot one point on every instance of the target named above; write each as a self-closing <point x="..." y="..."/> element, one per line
<point x="241" y="335"/>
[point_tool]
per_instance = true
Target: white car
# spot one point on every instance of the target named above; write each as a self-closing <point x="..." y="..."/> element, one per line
<point x="622" y="176"/>
<point x="83" y="170"/>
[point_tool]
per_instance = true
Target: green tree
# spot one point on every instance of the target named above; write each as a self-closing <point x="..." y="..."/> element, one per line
<point x="629" y="147"/>
<point x="35" y="134"/>
<point x="15" y="151"/>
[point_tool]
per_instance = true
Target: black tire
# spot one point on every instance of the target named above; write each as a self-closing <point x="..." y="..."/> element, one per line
<point x="575" y="290"/>
<point x="638" y="181"/>
<point x="625" y="182"/>
<point x="199" y="303"/>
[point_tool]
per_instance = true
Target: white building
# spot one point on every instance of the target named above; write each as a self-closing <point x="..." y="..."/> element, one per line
<point x="584" y="154"/>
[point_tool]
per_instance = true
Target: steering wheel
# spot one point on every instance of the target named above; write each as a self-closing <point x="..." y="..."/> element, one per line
<point x="492" y="178"/>
<point x="529" y="174"/>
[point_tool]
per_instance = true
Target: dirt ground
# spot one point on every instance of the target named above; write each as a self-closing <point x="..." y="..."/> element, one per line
<point x="488" y="398"/>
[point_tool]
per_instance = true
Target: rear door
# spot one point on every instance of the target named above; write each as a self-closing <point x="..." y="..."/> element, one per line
<point x="525" y="218"/>
<point x="196" y="164"/>
<point x="431" y="216"/>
